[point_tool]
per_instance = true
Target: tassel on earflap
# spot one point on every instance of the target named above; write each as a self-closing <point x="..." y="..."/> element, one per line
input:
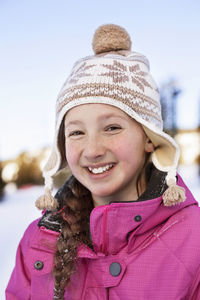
<point x="47" y="201"/>
<point x="174" y="194"/>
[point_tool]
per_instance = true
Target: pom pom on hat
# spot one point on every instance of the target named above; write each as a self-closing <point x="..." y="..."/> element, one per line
<point x="110" y="37"/>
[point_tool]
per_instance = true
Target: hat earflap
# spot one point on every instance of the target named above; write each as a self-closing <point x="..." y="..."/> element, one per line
<point x="165" y="158"/>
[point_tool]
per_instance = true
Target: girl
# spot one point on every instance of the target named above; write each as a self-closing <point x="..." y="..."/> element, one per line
<point x="124" y="225"/>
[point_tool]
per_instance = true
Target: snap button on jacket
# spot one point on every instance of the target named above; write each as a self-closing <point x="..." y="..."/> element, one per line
<point x="38" y="265"/>
<point x="115" y="269"/>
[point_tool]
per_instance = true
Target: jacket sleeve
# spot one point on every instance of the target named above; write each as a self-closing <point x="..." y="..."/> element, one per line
<point x="194" y="293"/>
<point x="27" y="281"/>
<point x="19" y="284"/>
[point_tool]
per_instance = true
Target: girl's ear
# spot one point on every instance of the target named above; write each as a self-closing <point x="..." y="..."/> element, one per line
<point x="149" y="147"/>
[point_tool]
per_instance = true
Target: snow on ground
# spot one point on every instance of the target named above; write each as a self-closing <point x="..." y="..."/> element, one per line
<point x="17" y="211"/>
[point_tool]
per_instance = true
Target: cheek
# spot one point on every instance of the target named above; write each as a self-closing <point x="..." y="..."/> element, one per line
<point x="130" y="150"/>
<point x="71" y="154"/>
<point x="122" y="149"/>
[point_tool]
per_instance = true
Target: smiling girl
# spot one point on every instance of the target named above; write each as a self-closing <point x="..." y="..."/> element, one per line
<point x="100" y="141"/>
<point x="124" y="225"/>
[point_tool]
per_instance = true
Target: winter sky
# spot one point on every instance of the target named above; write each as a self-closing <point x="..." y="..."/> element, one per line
<point x="40" y="41"/>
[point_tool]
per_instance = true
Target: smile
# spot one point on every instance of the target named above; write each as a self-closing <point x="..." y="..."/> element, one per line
<point x="100" y="170"/>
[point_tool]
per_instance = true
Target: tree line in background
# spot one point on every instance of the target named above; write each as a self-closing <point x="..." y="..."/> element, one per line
<point x="26" y="170"/>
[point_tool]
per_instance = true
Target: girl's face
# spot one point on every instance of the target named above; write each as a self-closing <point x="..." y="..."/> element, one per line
<point x="105" y="150"/>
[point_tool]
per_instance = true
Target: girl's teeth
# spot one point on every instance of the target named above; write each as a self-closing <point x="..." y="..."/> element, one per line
<point x="100" y="170"/>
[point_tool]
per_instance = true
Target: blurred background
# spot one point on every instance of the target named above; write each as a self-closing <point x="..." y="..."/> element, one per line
<point x="40" y="41"/>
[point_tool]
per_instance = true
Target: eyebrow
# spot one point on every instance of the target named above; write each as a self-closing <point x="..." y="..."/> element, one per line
<point x="76" y="122"/>
<point x="101" y="117"/>
<point x="111" y="115"/>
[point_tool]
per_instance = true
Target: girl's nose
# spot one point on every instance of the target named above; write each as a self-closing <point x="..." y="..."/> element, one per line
<point x="94" y="149"/>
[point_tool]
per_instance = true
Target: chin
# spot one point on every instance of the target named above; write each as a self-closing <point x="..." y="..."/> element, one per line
<point x="103" y="193"/>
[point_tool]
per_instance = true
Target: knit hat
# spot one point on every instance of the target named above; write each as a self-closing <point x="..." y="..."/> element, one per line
<point x="116" y="76"/>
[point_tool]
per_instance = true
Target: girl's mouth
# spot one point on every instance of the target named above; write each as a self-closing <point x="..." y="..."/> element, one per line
<point x="100" y="170"/>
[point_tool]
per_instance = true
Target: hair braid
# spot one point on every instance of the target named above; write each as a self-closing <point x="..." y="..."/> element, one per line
<point x="75" y="215"/>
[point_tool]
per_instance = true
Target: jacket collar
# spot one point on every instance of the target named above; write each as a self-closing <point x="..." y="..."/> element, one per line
<point x="113" y="226"/>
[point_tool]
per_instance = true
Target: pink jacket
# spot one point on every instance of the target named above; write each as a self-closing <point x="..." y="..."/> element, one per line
<point x="142" y="250"/>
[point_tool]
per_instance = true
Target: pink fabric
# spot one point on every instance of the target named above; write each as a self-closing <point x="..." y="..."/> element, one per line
<point x="159" y="256"/>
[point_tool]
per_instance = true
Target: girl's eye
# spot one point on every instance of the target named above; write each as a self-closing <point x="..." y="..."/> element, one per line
<point x="113" y="128"/>
<point x="75" y="133"/>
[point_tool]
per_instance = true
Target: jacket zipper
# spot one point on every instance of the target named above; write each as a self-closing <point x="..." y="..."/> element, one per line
<point x="104" y="231"/>
<point x="107" y="293"/>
